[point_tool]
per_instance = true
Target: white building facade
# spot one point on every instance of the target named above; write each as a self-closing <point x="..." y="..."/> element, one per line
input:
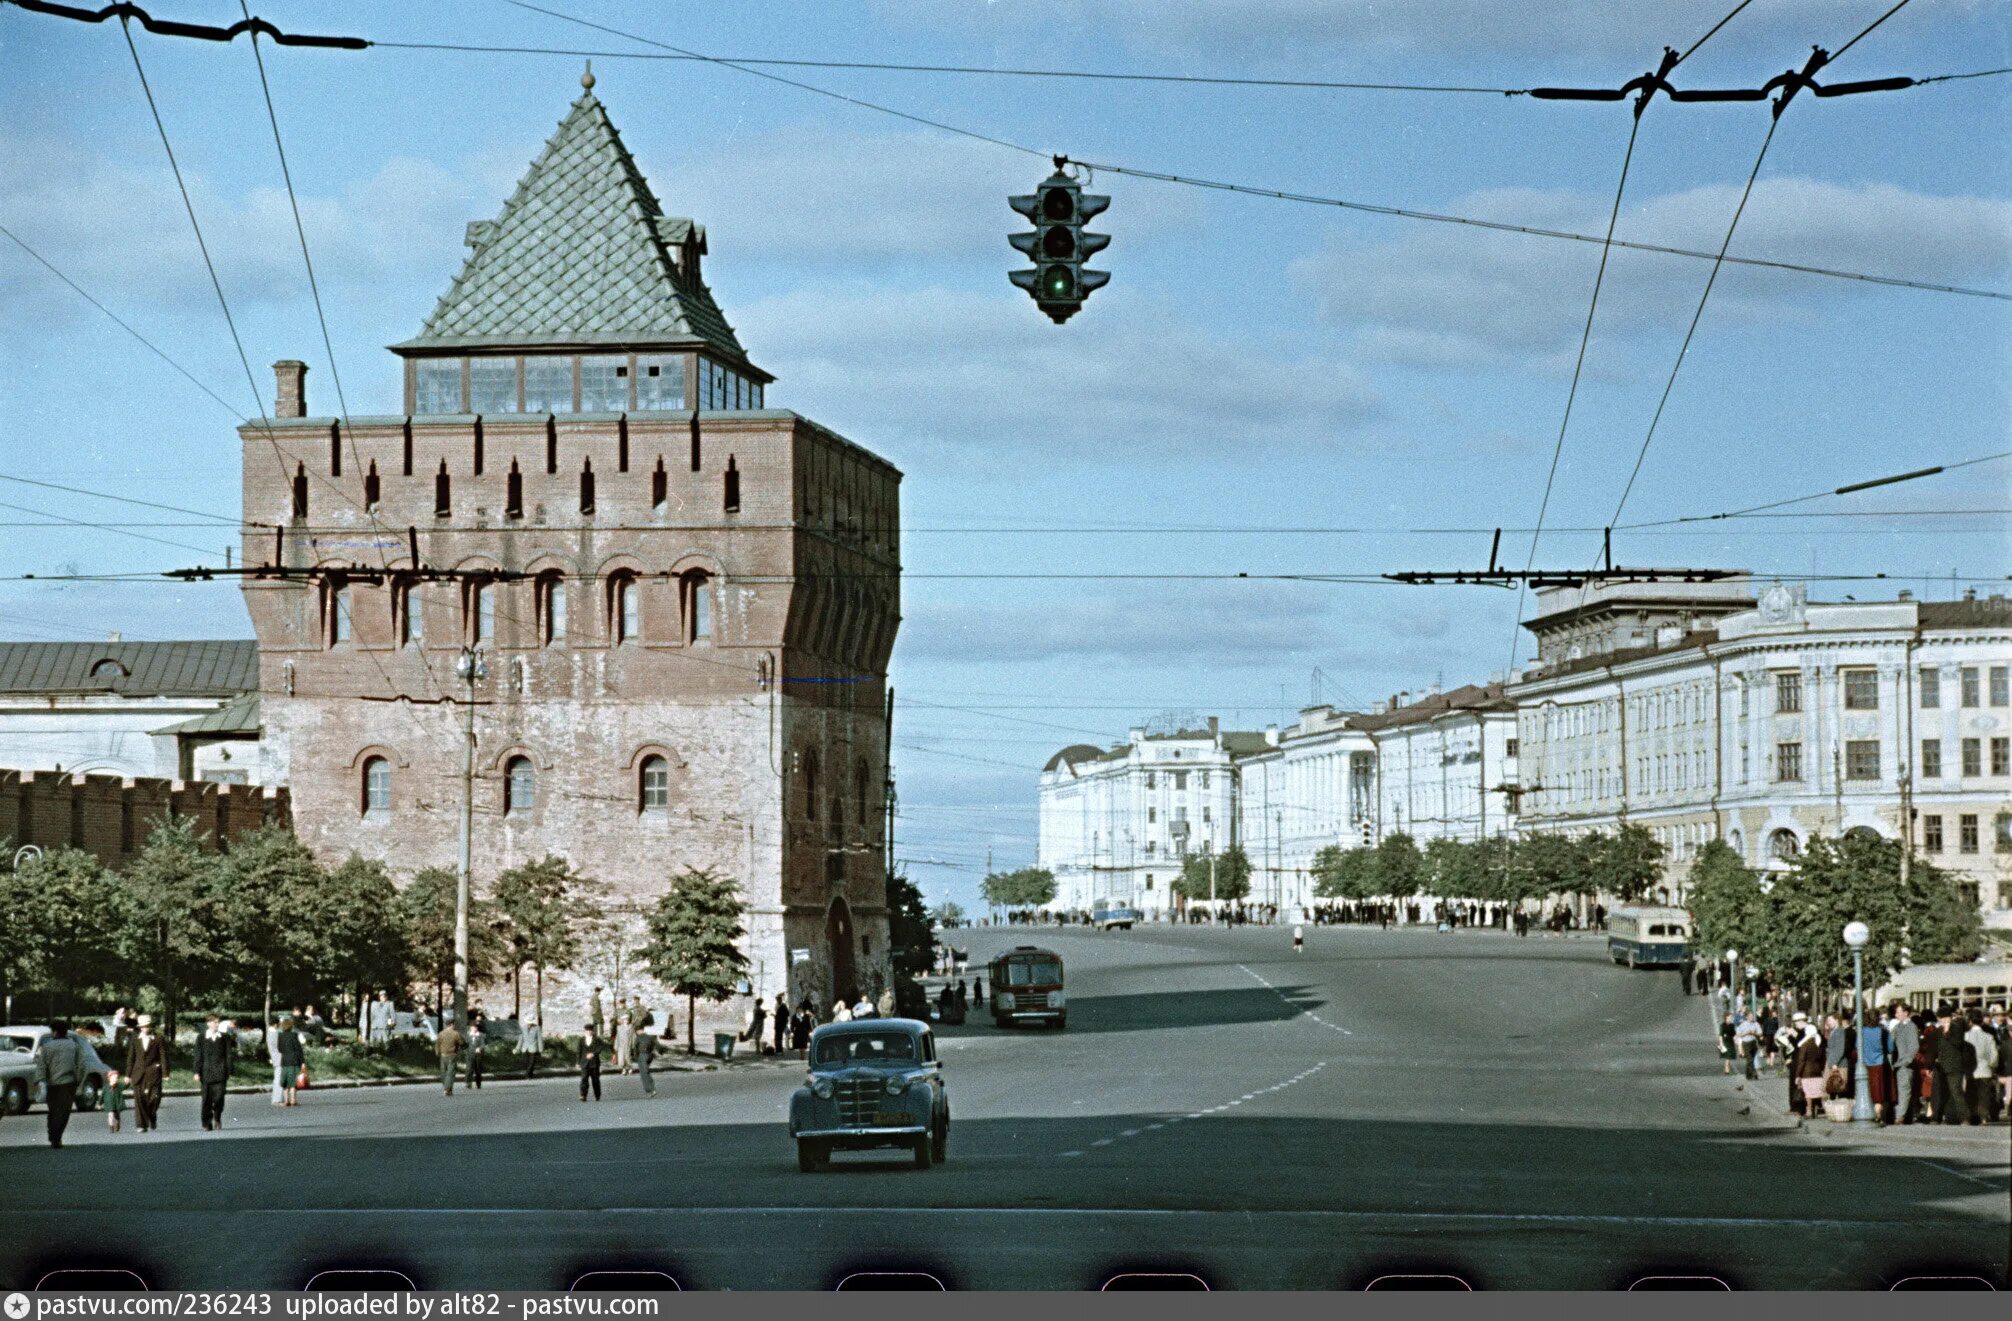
<point x="1446" y="765"/>
<point x="1310" y="785"/>
<point x="1783" y="721"/>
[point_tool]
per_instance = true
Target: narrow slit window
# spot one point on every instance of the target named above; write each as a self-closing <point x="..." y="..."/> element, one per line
<point x="372" y="489"/>
<point x="299" y="490"/>
<point x="513" y="493"/>
<point x="733" y="486"/>
<point x="555" y="611"/>
<point x="660" y="485"/>
<point x="587" y="487"/>
<point x="443" y="493"/>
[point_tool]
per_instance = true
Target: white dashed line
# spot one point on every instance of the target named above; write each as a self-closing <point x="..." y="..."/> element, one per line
<point x="1308" y="1013"/>
<point x="1170" y="1120"/>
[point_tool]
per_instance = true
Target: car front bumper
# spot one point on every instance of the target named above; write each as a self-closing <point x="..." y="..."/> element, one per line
<point x="874" y="1133"/>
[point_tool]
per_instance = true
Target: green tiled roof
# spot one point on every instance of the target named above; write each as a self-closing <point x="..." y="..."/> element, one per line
<point x="582" y="254"/>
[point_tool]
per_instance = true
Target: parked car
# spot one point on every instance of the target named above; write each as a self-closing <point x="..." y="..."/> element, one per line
<point x="18" y="1087"/>
<point x="874" y="1082"/>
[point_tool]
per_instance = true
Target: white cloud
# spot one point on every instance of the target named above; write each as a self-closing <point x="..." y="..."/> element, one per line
<point x="1445" y="297"/>
<point x="957" y="373"/>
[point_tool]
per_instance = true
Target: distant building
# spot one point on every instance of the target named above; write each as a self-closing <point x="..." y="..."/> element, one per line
<point x="166" y="710"/>
<point x="1446" y="765"/>
<point x="686" y="599"/>
<point x="1311" y="785"/>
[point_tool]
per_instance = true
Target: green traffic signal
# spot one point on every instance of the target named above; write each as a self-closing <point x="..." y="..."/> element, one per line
<point x="1058" y="282"/>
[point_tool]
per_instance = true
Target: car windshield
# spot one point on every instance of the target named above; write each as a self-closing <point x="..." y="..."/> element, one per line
<point x="19" y="1044"/>
<point x="1038" y="972"/>
<point x="854" y="1047"/>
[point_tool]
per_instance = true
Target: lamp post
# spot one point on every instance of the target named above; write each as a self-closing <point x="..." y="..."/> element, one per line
<point x="471" y="669"/>
<point x="1732" y="977"/>
<point x="1855" y="935"/>
<point x="1753" y="987"/>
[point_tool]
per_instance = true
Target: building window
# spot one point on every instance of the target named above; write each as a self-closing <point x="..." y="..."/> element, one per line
<point x="552" y="609"/>
<point x="373" y="489"/>
<point x="1861" y="759"/>
<point x="1788" y="762"/>
<point x="1966" y="833"/>
<point x="1973" y="758"/>
<point x="1151" y="779"/>
<point x="520" y="787"/>
<point x="1861" y="690"/>
<point x="1788" y="692"/>
<point x="810" y="785"/>
<point x="1931" y="759"/>
<point x="697" y="606"/>
<point x="1508" y="748"/>
<point x="548" y="385"/>
<point x="1969" y="674"/>
<point x="2001" y="757"/>
<point x="653" y="785"/>
<point x="376" y="786"/>
<point x="1931" y="834"/>
<point x="443" y="493"/>
<point x="1784" y="846"/>
<point x="436" y="386"/>
<point x="339" y="626"/>
<point x="1999" y="685"/>
<point x="1931" y="687"/>
<point x="1152" y="815"/>
<point x="411" y="616"/>
<point x="860" y="776"/>
<point x="604" y="383"/>
<point x="492" y="385"/>
<point x="660" y="381"/>
<point x="1180" y="780"/>
<point x="513" y="492"/>
<point x="625" y="608"/>
<point x="481" y="612"/>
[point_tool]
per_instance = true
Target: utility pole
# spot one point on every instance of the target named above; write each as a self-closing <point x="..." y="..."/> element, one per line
<point x="470" y="669"/>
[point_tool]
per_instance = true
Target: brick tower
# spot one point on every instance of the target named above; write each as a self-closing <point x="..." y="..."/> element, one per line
<point x="691" y="668"/>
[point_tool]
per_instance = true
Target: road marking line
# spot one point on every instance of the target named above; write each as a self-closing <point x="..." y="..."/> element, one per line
<point x="1072" y="1153"/>
<point x="1129" y="1133"/>
<point x="1103" y="1142"/>
<point x="1958" y="1173"/>
<point x="1154" y="1128"/>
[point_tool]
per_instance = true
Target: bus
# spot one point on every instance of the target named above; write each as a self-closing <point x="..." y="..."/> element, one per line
<point x="1944" y="987"/>
<point x="1027" y="986"/>
<point x="1108" y="916"/>
<point x="1648" y="937"/>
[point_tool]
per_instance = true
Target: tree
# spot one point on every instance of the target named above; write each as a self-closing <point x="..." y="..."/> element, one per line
<point x="947" y="914"/>
<point x="171" y="946"/>
<point x="694" y="942"/>
<point x="1341" y="873"/>
<point x="536" y="902"/>
<point x="1400" y="867"/>
<point x="1456" y="869"/>
<point x="1833" y="882"/>
<point x="362" y="945"/>
<point x="1029" y="887"/>
<point x="59" y="924"/>
<point x="1727" y="905"/>
<point x="1225" y="875"/>
<point x="911" y="943"/>
<point x="1625" y="864"/>
<point x="1943" y="922"/>
<point x="266" y="899"/>
<point x="425" y="914"/>
<point x="1551" y="864"/>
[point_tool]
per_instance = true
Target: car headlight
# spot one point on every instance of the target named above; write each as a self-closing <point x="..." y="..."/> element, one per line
<point x="1054" y="999"/>
<point x="822" y="1089"/>
<point x="1005" y="999"/>
<point x="897" y="1085"/>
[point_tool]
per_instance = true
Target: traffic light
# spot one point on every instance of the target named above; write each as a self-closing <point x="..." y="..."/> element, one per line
<point x="1059" y="245"/>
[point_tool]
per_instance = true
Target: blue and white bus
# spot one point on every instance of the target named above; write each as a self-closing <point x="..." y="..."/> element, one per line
<point x="1648" y="937"/>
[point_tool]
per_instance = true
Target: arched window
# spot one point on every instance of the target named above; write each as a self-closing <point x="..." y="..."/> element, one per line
<point x="1784" y="846"/>
<point x="1863" y="834"/>
<point x="696" y="589"/>
<point x="653" y="785"/>
<point x="481" y="613"/>
<point x="376" y="787"/>
<point x="625" y="607"/>
<point x="520" y="786"/>
<point x="410" y="622"/>
<point x="552" y="609"/>
<point x="339" y="629"/>
<point x="810" y="785"/>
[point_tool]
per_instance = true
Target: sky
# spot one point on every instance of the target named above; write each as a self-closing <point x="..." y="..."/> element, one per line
<point x="1265" y="387"/>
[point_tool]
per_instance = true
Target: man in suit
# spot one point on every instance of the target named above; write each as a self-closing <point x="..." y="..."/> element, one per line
<point x="146" y="1069"/>
<point x="1906" y="1044"/>
<point x="216" y="1050"/>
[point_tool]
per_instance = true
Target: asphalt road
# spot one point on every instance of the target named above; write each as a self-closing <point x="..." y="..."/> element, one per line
<point x="1519" y="1113"/>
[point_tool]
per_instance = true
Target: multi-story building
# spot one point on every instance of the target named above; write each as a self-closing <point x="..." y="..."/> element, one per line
<point x="1312" y="784"/>
<point x="1117" y="824"/>
<point x="685" y="599"/>
<point x="1446" y="765"/>
<point x="1777" y="722"/>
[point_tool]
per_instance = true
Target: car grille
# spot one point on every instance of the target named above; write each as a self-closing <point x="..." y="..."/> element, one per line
<point x="858" y="1101"/>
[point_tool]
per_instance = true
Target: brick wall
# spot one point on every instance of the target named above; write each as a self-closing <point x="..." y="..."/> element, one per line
<point x="110" y="818"/>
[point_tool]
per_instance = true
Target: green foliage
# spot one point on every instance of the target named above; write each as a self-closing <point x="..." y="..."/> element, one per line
<point x="539" y="920"/>
<point x="694" y="941"/>
<point x="1627" y="863"/>
<point x="947" y="914"/>
<point x="1833" y="882"/>
<point x="266" y="900"/>
<point x="1554" y="864"/>
<point x="424" y="912"/>
<point x="1341" y="873"/>
<point x="911" y="941"/>
<point x="171" y="943"/>
<point x="1943" y="921"/>
<point x="1029" y="887"/>
<point x="59" y="923"/>
<point x="1400" y="867"/>
<point x="357" y="931"/>
<point x="1232" y="875"/>
<point x="1726" y="902"/>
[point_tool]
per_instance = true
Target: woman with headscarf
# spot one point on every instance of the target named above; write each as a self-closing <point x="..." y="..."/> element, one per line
<point x="1805" y="1069"/>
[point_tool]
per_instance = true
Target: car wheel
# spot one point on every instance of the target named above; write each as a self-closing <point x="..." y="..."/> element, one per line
<point x="811" y="1157"/>
<point x="1061" y="1021"/>
<point x="90" y="1093"/>
<point x="17" y="1097"/>
<point x="925" y="1151"/>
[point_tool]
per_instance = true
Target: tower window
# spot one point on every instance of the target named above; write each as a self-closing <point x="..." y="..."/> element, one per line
<point x="492" y="385"/>
<point x="520" y="787"/>
<point x="587" y="487"/>
<point x="411" y="624"/>
<point x="660" y="381"/>
<point x="660" y="485"/>
<point x="371" y="487"/>
<point x="625" y="608"/>
<point x="733" y="486"/>
<point x="436" y="386"/>
<point x="653" y="785"/>
<point x="300" y="490"/>
<point x="481" y="613"/>
<point x="443" y="493"/>
<point x="376" y="787"/>
<point x="513" y="493"/>
<point x="552" y="609"/>
<point x="697" y="607"/>
<point x="604" y="383"/>
<point x="339" y="629"/>
<point x="548" y="385"/>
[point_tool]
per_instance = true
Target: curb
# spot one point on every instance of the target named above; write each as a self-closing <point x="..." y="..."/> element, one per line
<point x="699" y="1064"/>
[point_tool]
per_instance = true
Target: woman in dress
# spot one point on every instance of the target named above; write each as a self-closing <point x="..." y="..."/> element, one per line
<point x="625" y="1043"/>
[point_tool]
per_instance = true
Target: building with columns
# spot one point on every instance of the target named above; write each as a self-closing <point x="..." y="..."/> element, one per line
<point x="1313" y="784"/>
<point x="1446" y="765"/>
<point x="685" y="599"/>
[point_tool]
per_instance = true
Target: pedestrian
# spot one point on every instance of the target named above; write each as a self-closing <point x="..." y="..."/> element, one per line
<point x="2001" y="1027"/>
<point x="800" y="1028"/>
<point x="625" y="1042"/>
<point x="841" y="1012"/>
<point x="757" y="1020"/>
<point x="594" y="1012"/>
<point x="530" y="1044"/>
<point x="59" y="1067"/>
<point x="1840" y="1056"/>
<point x="1928" y="1087"/>
<point x="978" y="991"/>
<point x="272" y="1056"/>
<point x="1954" y="1059"/>
<point x="963" y="996"/>
<point x="883" y="1003"/>
<point x="1746" y="1040"/>
<point x="478" y="1038"/>
<point x="863" y="1008"/>
<point x="1875" y="1056"/>
<point x="1770" y="1031"/>
<point x="146" y="1069"/>
<point x="292" y="1053"/>
<point x="646" y="1057"/>
<point x="115" y="1098"/>
<point x="216" y="1051"/>
<point x="313" y="1027"/>
<point x="590" y="1061"/>
<point x="447" y="1047"/>
<point x="1728" y="1042"/>
<point x="1906" y="1078"/>
<point x="1298" y="938"/>
<point x="1983" y="1071"/>
<point x="781" y="1023"/>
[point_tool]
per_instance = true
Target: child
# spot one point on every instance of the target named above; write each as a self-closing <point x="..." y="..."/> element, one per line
<point x="115" y="1099"/>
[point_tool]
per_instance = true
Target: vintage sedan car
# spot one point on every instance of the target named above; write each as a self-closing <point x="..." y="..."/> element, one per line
<point x="874" y="1082"/>
<point x="18" y="1088"/>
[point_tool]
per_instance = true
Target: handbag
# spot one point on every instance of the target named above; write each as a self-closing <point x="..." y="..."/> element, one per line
<point x="300" y="1081"/>
<point x="1834" y="1082"/>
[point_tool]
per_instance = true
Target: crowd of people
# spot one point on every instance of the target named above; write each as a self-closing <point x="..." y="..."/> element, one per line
<point x="1932" y="1066"/>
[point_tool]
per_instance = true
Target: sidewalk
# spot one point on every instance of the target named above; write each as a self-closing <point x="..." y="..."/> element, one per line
<point x="667" y="1062"/>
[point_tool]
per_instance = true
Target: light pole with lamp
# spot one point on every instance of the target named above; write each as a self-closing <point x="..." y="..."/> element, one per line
<point x="471" y="669"/>
<point x="1753" y="987"/>
<point x="1856" y="934"/>
<point x="1732" y="978"/>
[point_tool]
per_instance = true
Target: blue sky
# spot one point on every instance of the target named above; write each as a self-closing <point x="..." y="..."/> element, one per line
<point x="1253" y="364"/>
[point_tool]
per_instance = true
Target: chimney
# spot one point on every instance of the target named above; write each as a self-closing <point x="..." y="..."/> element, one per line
<point x="1135" y="736"/>
<point x="1905" y="595"/>
<point x="114" y="636"/>
<point x="1271" y="735"/>
<point x="290" y="398"/>
<point x="1970" y="593"/>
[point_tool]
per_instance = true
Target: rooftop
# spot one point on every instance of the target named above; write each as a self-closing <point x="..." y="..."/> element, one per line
<point x="223" y="668"/>
<point x="1467" y="697"/>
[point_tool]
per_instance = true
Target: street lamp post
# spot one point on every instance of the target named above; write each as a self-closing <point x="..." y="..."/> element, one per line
<point x="1856" y="934"/>
<point x="1753" y="987"/>
<point x="1732" y="977"/>
<point x="470" y="668"/>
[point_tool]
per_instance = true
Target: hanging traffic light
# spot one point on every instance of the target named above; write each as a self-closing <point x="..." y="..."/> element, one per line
<point x="1059" y="244"/>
